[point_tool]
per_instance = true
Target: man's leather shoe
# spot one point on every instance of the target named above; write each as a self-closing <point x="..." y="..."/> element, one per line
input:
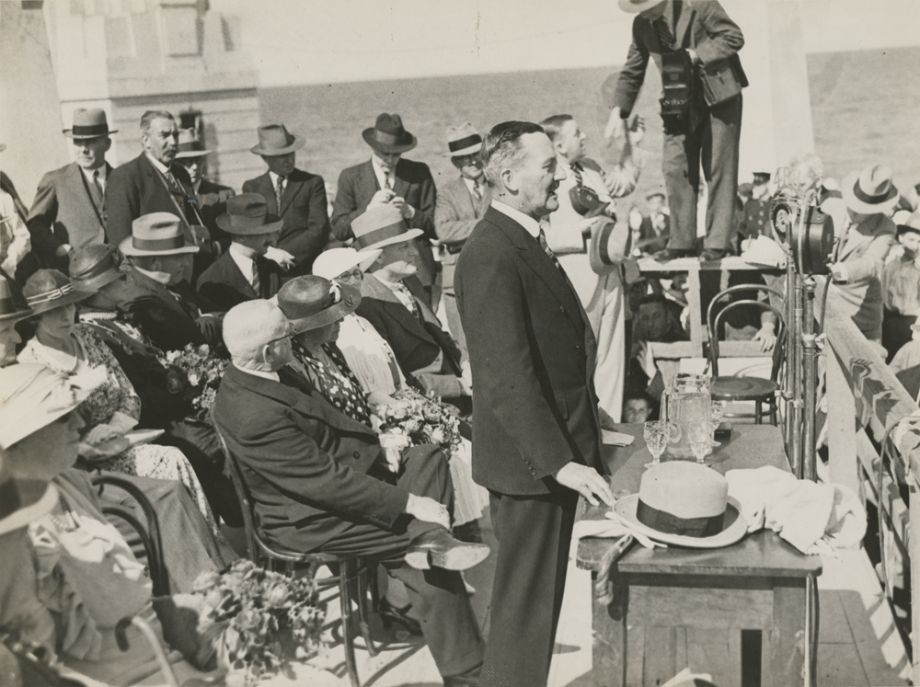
<point x="711" y="254"/>
<point x="672" y="254"/>
<point x="438" y="549"/>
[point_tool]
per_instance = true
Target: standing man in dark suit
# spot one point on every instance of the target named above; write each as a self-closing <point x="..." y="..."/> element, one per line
<point x="696" y="47"/>
<point x="243" y="272"/>
<point x="210" y="197"/>
<point x="297" y="197"/>
<point x="461" y="202"/>
<point x="389" y="179"/>
<point x="68" y="211"/>
<point x="536" y="436"/>
<point x="656" y="225"/>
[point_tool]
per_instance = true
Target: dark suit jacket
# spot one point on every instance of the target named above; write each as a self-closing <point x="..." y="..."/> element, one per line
<point x="306" y="463"/>
<point x="222" y="285"/>
<point x="168" y="317"/>
<point x="136" y="188"/>
<point x="416" y="345"/>
<point x="532" y="353"/>
<point x="358" y="184"/>
<point x="64" y="212"/>
<point x="303" y="208"/>
<point x="455" y="216"/>
<point x="702" y="25"/>
<point x="651" y="239"/>
<point x="212" y="202"/>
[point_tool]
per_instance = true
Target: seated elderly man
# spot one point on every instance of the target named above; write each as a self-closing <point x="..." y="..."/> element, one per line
<point x="319" y="483"/>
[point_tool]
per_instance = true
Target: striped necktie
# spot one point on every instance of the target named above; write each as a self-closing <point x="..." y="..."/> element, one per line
<point x="279" y="192"/>
<point x="546" y="249"/>
<point x="577" y="173"/>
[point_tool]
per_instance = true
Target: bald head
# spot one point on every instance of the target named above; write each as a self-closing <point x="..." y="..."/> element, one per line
<point x="255" y="335"/>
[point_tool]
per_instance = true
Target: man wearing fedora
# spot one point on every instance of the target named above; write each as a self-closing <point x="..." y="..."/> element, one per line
<point x="243" y="272"/>
<point x="155" y="182"/>
<point x="211" y="197"/>
<point x="296" y="196"/>
<point x="865" y="234"/>
<point x="68" y="210"/>
<point x="536" y="433"/>
<point x="389" y="179"/>
<point x="422" y="348"/>
<point x="461" y="202"/>
<point x="695" y="45"/>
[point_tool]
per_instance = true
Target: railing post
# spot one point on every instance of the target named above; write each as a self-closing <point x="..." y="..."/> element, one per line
<point x="914" y="548"/>
<point x="810" y="372"/>
<point x="797" y="381"/>
<point x="841" y="426"/>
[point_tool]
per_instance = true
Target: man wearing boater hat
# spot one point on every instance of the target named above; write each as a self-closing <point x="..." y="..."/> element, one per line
<point x="864" y="234"/>
<point x="461" y="202"/>
<point x="67" y="212"/>
<point x="243" y="272"/>
<point x="296" y="196"/>
<point x="389" y="179"/>
<point x="210" y="196"/>
<point x="695" y="45"/>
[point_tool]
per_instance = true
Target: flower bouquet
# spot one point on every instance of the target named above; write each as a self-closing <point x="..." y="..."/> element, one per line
<point x="420" y="419"/>
<point x="199" y="374"/>
<point x="263" y="620"/>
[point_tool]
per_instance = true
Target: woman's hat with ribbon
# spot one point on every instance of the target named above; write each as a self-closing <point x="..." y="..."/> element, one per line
<point x="275" y="139"/>
<point x="871" y="191"/>
<point x="247" y="215"/>
<point x="158" y="233"/>
<point x="47" y="290"/>
<point x="95" y="266"/>
<point x="388" y="135"/>
<point x="463" y="140"/>
<point x="190" y="146"/>
<point x="335" y="262"/>
<point x="312" y="302"/>
<point x="33" y="396"/>
<point x="684" y="504"/>
<point x="380" y="226"/>
<point x="11" y="309"/>
<point x="89" y="123"/>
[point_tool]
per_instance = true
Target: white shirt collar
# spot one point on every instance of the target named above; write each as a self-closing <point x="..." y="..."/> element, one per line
<point x="101" y="173"/>
<point x="381" y="176"/>
<point x="245" y="262"/>
<point x="531" y="225"/>
<point x="471" y="185"/>
<point x="156" y="163"/>
<point x="274" y="177"/>
<point x="273" y="376"/>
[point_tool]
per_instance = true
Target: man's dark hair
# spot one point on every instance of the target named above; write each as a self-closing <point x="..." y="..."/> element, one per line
<point x="553" y="124"/>
<point x="502" y="145"/>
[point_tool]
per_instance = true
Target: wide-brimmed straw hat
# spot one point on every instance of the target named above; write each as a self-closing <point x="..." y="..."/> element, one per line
<point x="275" y="139"/>
<point x="911" y="224"/>
<point x="337" y="261"/>
<point x="247" y="215"/>
<point x="636" y="6"/>
<point x="93" y="267"/>
<point x="463" y="140"/>
<point x="89" y="123"/>
<point x="11" y="309"/>
<point x="33" y="396"/>
<point x="312" y="302"/>
<point x="158" y="233"/>
<point x="388" y="135"/>
<point x="47" y="290"/>
<point x="684" y="504"/>
<point x="870" y="191"/>
<point x="381" y="226"/>
<point x="610" y="245"/>
<point x="190" y="145"/>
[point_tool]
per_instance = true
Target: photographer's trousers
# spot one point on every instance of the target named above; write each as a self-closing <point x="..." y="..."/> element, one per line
<point x="709" y="140"/>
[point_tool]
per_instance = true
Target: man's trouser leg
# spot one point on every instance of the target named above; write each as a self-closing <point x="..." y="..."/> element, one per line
<point x="681" y="168"/>
<point x="533" y="535"/>
<point x="439" y="599"/>
<point x="719" y="155"/>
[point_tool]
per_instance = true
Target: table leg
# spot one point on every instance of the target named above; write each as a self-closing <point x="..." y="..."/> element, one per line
<point x="784" y="643"/>
<point x="609" y="625"/>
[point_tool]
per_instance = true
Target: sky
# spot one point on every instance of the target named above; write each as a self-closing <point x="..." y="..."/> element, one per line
<point x="313" y="41"/>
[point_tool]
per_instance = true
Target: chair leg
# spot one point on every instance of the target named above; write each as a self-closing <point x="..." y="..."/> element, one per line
<point x="773" y="412"/>
<point x="348" y="639"/>
<point x="758" y="413"/>
<point x="363" y="574"/>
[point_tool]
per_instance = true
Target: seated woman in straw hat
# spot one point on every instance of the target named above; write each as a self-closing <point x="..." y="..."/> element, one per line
<point x="112" y="409"/>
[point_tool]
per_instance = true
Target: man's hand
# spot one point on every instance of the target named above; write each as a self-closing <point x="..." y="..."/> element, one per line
<point x="408" y="212"/>
<point x="766" y="335"/>
<point x="209" y="326"/>
<point x="280" y="256"/>
<point x="839" y="273"/>
<point x="615" y="126"/>
<point x="428" y="510"/>
<point x="694" y="58"/>
<point x="382" y="197"/>
<point x="586" y="481"/>
<point x="636" y="130"/>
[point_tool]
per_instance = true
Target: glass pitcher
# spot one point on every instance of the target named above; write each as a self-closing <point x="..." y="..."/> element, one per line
<point x="686" y="403"/>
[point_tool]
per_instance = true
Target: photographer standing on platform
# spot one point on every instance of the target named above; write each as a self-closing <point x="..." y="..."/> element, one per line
<point x="695" y="45"/>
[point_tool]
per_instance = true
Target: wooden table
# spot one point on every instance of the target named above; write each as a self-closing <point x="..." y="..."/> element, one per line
<point x="738" y="612"/>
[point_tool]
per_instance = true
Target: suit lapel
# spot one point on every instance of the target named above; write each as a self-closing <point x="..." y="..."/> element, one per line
<point x="368" y="182"/>
<point x="371" y="287"/>
<point x="293" y="186"/>
<point x="681" y="22"/>
<point x="78" y="179"/>
<point x="400" y="185"/>
<point x="265" y="189"/>
<point x="235" y="276"/>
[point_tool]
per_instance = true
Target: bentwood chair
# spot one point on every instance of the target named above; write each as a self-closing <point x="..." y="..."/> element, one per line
<point x="740" y="388"/>
<point x="349" y="573"/>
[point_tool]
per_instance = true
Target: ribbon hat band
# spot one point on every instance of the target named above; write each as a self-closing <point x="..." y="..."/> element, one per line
<point x="48" y="296"/>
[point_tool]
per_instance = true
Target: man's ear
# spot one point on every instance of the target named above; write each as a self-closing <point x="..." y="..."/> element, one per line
<point x="508" y="180"/>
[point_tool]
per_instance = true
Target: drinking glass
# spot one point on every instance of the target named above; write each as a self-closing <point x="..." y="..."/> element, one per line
<point x="656" y="434"/>
<point x="717" y="412"/>
<point x="700" y="440"/>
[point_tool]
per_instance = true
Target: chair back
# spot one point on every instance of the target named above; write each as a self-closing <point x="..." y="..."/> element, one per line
<point x="714" y="320"/>
<point x="242" y="494"/>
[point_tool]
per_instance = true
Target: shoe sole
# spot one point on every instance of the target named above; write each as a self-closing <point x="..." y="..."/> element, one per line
<point x="462" y="557"/>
